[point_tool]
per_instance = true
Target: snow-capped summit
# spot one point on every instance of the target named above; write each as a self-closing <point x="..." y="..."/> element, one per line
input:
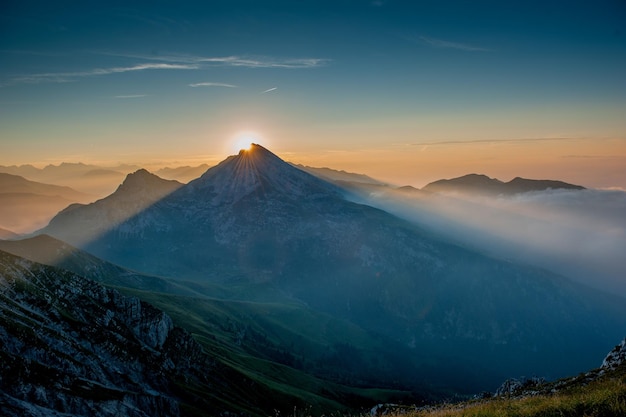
<point x="257" y="172"/>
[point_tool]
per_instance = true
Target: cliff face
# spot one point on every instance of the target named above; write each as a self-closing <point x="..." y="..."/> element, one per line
<point x="70" y="345"/>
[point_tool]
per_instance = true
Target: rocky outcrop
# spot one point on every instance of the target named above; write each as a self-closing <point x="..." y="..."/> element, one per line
<point x="525" y="387"/>
<point x="616" y="357"/>
<point x="69" y="345"/>
<point x="514" y="386"/>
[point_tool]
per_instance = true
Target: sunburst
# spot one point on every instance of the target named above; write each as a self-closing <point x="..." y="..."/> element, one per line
<point x="243" y="141"/>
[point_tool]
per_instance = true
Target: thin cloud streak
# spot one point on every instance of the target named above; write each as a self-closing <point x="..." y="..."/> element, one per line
<point x="233" y="60"/>
<point x="172" y="62"/>
<point x="131" y="96"/>
<point x="236" y="61"/>
<point x="269" y="90"/>
<point x="440" y="43"/>
<point x="64" y="77"/>
<point x="209" y="84"/>
<point x="470" y="142"/>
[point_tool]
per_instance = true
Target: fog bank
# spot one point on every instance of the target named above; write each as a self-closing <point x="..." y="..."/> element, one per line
<point x="579" y="234"/>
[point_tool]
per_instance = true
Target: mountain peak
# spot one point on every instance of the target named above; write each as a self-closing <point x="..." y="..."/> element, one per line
<point x="252" y="148"/>
<point x="257" y="151"/>
<point x="523" y="184"/>
<point x="140" y="173"/>
<point x="482" y="184"/>
<point x="142" y="180"/>
<point x="257" y="171"/>
<point x="466" y="183"/>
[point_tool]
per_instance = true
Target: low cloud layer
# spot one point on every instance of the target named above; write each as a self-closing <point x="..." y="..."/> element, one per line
<point x="579" y="234"/>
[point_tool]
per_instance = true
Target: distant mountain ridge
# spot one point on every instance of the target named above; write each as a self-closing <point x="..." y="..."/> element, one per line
<point x="88" y="178"/>
<point x="183" y="174"/>
<point x="7" y="234"/>
<point x="62" y="170"/>
<point x="27" y="205"/>
<point x="80" y="174"/>
<point x="482" y="184"/>
<point x="340" y="176"/>
<point x="16" y="184"/>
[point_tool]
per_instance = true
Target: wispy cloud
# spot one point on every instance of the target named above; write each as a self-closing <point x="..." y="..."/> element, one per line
<point x="171" y="62"/>
<point x="63" y="77"/>
<point x="269" y="90"/>
<point x="440" y="43"/>
<point x="131" y="96"/>
<point x="208" y="84"/>
<point x="263" y="62"/>
<point x="477" y="141"/>
<point x="233" y="60"/>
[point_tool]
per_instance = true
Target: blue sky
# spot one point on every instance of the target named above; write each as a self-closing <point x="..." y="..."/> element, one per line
<point x="371" y="86"/>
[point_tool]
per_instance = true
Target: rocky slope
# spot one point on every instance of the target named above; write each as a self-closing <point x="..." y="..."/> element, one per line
<point x="47" y="250"/>
<point x="70" y="347"/>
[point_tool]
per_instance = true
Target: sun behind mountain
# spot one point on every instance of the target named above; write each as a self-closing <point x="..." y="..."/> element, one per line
<point x="244" y="141"/>
<point x="245" y="146"/>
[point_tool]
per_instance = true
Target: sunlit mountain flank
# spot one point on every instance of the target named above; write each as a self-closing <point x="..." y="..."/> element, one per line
<point x="139" y="190"/>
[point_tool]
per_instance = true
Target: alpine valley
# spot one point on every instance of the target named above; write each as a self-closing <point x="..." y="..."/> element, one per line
<point x="263" y="287"/>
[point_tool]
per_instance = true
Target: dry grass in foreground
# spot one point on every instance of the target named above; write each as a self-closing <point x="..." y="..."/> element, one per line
<point x="601" y="398"/>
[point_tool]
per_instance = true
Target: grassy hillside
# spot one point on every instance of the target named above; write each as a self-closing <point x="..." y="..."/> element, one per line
<point x="289" y="351"/>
